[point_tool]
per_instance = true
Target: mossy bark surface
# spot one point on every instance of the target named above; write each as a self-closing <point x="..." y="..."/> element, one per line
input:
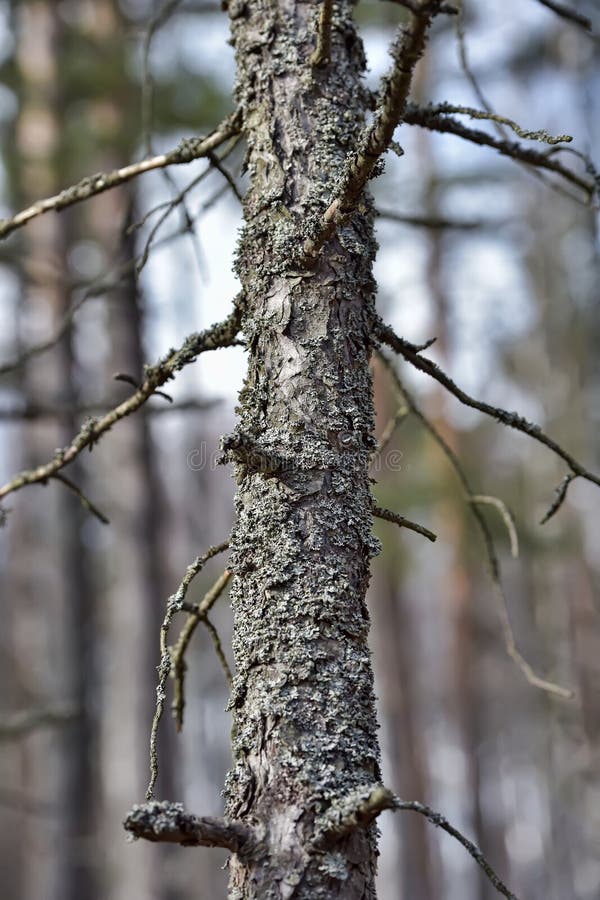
<point x="305" y="732"/>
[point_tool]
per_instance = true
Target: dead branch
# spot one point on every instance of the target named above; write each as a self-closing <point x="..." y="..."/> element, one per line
<point x="407" y="49"/>
<point x="512" y="419"/>
<point x="197" y="614"/>
<point x="565" y="12"/>
<point x="389" y="516"/>
<point x="488" y="115"/>
<point x="363" y="805"/>
<point x="169" y="823"/>
<point x="436" y="223"/>
<point x="429" y="117"/>
<point x="322" y="52"/>
<point x="85" y="501"/>
<point x="174" y="605"/>
<point x="33" y="412"/>
<point x="220" y="335"/>
<point x="189" y="149"/>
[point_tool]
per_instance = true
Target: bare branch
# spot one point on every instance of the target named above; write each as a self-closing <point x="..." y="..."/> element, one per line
<point x="220" y="335"/>
<point x="512" y="419"/>
<point x="197" y="614"/>
<point x="389" y="516"/>
<point x="388" y="432"/>
<point x="188" y="150"/>
<point x="174" y="605"/>
<point x="561" y="494"/>
<point x="406" y="51"/>
<point x="180" y="200"/>
<point x="429" y="117"/>
<point x="32" y="412"/>
<point x="565" y="12"/>
<point x="436" y="223"/>
<point x="506" y="518"/>
<point x="85" y="501"/>
<point x="414" y="7"/>
<point x="488" y="541"/>
<point x="23" y="723"/>
<point x="169" y="823"/>
<point x="488" y="115"/>
<point x="363" y="805"/>
<point x="322" y="52"/>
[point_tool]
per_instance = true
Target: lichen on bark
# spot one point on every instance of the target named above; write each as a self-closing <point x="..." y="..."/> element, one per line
<point x="304" y="728"/>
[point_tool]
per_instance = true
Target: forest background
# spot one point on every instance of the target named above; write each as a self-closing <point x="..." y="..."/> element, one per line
<point x="499" y="266"/>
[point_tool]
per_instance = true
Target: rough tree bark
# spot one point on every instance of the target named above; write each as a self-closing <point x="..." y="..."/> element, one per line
<point x="304" y="733"/>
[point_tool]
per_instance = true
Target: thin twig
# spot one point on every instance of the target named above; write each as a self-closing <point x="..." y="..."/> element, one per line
<point x="565" y="12"/>
<point x="488" y="541"/>
<point x="436" y="223"/>
<point x="389" y="429"/>
<point x="407" y="49"/>
<point x="35" y="411"/>
<point x="174" y="605"/>
<point x="506" y="518"/>
<point x="188" y="149"/>
<point x="169" y="206"/>
<point x="322" y="52"/>
<point x="488" y="115"/>
<point x="561" y="494"/>
<point x="85" y="501"/>
<point x="216" y="161"/>
<point x="220" y="335"/>
<point x="179" y="666"/>
<point x="397" y="519"/>
<point x="466" y="65"/>
<point x="427" y="117"/>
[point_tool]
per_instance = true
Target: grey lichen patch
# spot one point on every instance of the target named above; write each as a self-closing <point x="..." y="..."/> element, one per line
<point x="335" y="865"/>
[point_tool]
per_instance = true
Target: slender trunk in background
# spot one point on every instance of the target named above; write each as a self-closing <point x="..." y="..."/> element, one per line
<point x="304" y="729"/>
<point x="67" y="866"/>
<point x="395" y="637"/>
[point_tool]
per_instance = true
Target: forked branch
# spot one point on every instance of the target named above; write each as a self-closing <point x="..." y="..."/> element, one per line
<point x="197" y="613"/>
<point x="175" y="604"/>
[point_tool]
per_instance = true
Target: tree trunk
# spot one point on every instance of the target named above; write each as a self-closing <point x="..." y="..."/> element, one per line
<point x="304" y="732"/>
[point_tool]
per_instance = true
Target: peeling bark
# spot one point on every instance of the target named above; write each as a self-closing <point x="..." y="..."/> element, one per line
<point x="304" y="734"/>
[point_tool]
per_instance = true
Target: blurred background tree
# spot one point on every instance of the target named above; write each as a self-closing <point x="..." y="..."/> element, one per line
<point x="501" y="267"/>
